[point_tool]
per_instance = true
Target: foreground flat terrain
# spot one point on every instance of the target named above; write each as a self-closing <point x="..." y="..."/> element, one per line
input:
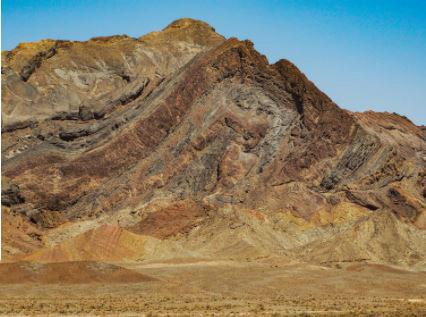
<point x="200" y="288"/>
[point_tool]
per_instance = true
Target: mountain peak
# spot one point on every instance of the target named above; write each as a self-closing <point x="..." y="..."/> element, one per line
<point x="188" y="23"/>
<point x="186" y="30"/>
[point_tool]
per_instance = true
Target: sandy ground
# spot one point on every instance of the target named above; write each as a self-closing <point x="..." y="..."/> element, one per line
<point x="217" y="288"/>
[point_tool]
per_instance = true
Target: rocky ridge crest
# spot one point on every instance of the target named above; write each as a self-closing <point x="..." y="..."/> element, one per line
<point x="202" y="148"/>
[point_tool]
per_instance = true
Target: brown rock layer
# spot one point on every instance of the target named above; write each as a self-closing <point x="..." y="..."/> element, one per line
<point x="183" y="135"/>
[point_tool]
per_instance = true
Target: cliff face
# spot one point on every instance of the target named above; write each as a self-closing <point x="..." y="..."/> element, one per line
<point x="200" y="146"/>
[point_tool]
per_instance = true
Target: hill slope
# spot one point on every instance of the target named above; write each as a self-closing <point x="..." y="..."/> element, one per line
<point x="198" y="143"/>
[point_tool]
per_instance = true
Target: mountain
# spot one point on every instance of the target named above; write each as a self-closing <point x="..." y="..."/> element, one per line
<point x="182" y="143"/>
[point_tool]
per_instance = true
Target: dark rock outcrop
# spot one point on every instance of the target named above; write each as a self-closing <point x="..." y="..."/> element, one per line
<point x="107" y="129"/>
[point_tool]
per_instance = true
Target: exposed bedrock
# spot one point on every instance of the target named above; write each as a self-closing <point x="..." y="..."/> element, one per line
<point x="182" y="135"/>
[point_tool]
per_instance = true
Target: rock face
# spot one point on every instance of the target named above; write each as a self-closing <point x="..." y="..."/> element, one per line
<point x="200" y="146"/>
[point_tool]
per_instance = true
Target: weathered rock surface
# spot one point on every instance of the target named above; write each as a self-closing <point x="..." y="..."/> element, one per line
<point x="199" y="145"/>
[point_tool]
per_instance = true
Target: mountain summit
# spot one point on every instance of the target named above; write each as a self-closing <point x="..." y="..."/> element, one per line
<point x="187" y="30"/>
<point x="182" y="143"/>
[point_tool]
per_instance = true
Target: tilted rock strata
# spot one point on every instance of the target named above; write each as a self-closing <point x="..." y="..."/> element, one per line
<point x="185" y="136"/>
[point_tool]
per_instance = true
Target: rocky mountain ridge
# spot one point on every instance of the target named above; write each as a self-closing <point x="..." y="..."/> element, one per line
<point x="198" y="147"/>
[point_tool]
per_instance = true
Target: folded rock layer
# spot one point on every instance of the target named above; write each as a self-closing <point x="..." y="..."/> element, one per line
<point x="184" y="143"/>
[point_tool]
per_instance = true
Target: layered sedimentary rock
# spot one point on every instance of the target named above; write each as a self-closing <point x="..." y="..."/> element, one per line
<point x="195" y="145"/>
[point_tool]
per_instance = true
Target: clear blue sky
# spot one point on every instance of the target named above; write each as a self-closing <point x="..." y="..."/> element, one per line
<point x="365" y="54"/>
